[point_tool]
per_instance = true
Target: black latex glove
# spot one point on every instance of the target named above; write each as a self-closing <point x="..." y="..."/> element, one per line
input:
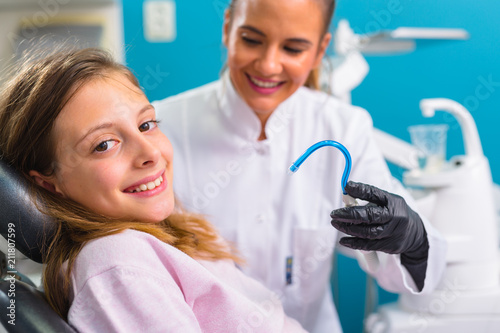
<point x="385" y="224"/>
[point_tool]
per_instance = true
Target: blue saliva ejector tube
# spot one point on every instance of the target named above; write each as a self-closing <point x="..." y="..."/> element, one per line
<point x="346" y="198"/>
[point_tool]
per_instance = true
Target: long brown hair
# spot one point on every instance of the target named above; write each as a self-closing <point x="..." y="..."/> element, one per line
<point x="30" y="103"/>
<point x="328" y="10"/>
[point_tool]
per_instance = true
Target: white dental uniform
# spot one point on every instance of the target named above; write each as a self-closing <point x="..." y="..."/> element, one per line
<point x="279" y="222"/>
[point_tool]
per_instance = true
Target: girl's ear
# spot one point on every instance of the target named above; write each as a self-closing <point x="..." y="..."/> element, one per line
<point x="323" y="46"/>
<point x="46" y="182"/>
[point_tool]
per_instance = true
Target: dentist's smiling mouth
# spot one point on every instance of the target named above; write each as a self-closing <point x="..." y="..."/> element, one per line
<point x="264" y="86"/>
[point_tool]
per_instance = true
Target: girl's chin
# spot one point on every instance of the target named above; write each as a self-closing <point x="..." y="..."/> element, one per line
<point x="154" y="218"/>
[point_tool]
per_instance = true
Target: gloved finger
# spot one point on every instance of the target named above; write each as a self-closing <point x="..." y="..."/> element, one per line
<point x="367" y="192"/>
<point x="364" y="244"/>
<point x="361" y="230"/>
<point x="369" y="214"/>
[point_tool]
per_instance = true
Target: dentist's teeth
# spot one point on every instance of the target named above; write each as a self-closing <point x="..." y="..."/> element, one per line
<point x="143" y="187"/>
<point x="157" y="182"/>
<point x="151" y="185"/>
<point x="264" y="84"/>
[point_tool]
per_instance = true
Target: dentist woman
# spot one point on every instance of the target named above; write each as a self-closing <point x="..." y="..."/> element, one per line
<point x="235" y="139"/>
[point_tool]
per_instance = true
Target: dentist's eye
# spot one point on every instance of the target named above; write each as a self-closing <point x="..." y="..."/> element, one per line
<point x="148" y="125"/>
<point x="105" y="145"/>
<point x="293" y="50"/>
<point x="250" y="41"/>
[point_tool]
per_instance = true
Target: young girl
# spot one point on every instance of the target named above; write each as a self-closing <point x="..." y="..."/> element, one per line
<point x="124" y="258"/>
<point x="235" y="139"/>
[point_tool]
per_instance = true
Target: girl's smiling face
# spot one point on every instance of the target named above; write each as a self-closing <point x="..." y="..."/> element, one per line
<point x="111" y="157"/>
<point x="272" y="47"/>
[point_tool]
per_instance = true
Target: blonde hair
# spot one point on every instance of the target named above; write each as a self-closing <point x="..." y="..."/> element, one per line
<point x="313" y="80"/>
<point x="30" y="103"/>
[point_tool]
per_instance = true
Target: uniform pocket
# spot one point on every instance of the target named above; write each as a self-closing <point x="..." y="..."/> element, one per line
<point x="312" y="262"/>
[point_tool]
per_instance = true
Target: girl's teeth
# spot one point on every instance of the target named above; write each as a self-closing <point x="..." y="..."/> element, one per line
<point x="148" y="186"/>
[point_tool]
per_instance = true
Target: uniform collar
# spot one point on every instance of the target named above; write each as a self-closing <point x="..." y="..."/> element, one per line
<point x="242" y="118"/>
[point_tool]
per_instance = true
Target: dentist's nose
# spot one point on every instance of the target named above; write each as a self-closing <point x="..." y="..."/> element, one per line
<point x="269" y="62"/>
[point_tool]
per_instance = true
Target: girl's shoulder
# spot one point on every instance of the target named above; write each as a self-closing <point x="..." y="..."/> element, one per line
<point x="112" y="245"/>
<point x="131" y="249"/>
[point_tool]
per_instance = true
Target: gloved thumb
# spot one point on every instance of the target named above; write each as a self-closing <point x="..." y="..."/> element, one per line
<point x="367" y="192"/>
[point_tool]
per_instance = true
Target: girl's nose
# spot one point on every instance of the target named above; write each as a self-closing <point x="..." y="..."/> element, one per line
<point x="146" y="151"/>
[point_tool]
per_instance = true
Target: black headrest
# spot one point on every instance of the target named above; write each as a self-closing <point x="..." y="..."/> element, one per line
<point x="31" y="227"/>
<point x="31" y="311"/>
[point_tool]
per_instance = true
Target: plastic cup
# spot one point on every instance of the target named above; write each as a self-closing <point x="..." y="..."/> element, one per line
<point x="430" y="140"/>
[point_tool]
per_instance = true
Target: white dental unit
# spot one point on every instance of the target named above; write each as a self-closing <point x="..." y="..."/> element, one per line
<point x="458" y="197"/>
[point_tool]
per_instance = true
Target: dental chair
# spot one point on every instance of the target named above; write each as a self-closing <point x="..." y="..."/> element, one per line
<point x="26" y="230"/>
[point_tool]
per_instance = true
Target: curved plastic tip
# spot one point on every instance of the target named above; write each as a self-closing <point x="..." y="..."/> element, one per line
<point x="293" y="168"/>
<point x="349" y="201"/>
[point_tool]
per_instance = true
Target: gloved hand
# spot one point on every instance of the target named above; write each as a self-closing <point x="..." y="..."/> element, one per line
<point x="385" y="224"/>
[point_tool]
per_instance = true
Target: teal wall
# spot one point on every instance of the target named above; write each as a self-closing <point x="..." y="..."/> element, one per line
<point x="391" y="92"/>
<point x="194" y="58"/>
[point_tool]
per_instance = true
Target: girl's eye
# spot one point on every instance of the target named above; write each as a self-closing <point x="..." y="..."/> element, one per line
<point x="148" y="125"/>
<point x="105" y="145"/>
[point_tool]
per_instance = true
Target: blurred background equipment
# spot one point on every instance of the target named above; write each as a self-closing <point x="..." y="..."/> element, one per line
<point x="42" y="25"/>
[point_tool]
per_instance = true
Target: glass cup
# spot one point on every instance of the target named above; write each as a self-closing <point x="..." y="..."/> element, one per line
<point x="430" y="140"/>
